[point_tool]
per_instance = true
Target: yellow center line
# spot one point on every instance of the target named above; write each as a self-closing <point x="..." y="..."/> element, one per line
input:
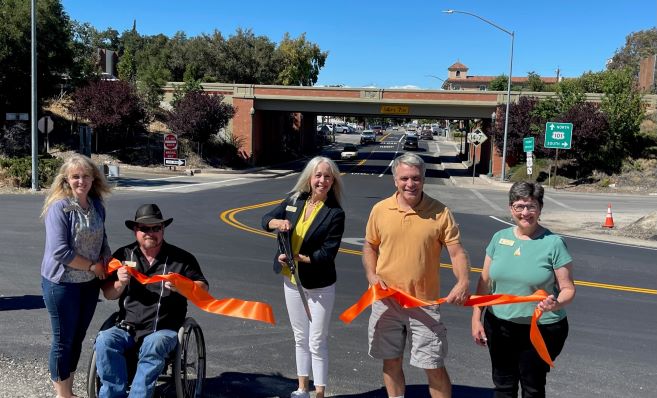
<point x="228" y="216"/>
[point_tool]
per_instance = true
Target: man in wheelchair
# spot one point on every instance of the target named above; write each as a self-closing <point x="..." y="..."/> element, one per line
<point x="149" y="315"/>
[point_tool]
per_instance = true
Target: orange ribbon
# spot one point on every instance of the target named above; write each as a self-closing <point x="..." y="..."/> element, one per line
<point x="375" y="292"/>
<point x="253" y="310"/>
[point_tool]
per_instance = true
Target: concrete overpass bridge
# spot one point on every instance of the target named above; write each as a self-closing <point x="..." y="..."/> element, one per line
<point x="270" y="119"/>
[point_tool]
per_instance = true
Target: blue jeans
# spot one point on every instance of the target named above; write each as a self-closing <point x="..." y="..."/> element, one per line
<point x="111" y="346"/>
<point x="71" y="307"/>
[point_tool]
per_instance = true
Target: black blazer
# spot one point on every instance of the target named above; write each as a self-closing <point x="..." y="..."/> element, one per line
<point x="321" y="242"/>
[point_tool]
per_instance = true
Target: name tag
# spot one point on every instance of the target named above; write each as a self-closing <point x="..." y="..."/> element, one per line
<point x="291" y="208"/>
<point x="506" y="242"/>
<point x="132" y="264"/>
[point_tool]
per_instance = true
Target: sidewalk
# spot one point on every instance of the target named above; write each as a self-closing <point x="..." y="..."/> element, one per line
<point x="459" y="174"/>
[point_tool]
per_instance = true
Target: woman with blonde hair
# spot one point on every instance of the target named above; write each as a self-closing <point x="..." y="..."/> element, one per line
<point x="74" y="259"/>
<point x="313" y="217"/>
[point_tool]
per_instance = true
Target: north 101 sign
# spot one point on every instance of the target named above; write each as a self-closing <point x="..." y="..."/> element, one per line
<point x="558" y="135"/>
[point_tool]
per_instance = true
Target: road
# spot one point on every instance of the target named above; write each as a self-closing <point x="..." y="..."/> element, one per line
<point x="611" y="349"/>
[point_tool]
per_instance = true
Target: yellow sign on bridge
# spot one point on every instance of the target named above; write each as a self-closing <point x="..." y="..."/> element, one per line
<point x="394" y="109"/>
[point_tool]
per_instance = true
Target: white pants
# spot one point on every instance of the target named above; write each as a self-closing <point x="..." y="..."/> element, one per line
<point x="311" y="338"/>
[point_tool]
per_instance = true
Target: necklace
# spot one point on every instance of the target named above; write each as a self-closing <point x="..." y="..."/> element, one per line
<point x="313" y="203"/>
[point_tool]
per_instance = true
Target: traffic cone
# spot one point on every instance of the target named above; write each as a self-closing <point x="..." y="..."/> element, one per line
<point x="609" y="220"/>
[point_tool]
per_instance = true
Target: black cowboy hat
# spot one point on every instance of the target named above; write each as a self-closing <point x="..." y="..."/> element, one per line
<point x="148" y="214"/>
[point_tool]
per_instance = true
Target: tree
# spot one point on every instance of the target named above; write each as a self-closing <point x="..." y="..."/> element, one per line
<point x="301" y="61"/>
<point x="534" y="82"/>
<point x="198" y="116"/>
<point x="112" y="108"/>
<point x="622" y="105"/>
<point x="592" y="82"/>
<point x="152" y="71"/>
<point x="53" y="46"/>
<point x="638" y="45"/>
<point x="499" y="83"/>
<point x="247" y="58"/>
<point x="589" y="148"/>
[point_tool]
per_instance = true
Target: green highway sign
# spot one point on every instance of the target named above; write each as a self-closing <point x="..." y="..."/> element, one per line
<point x="558" y="135"/>
<point x="528" y="144"/>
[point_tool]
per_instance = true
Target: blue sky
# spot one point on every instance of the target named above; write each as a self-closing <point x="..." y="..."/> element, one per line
<point x="388" y="43"/>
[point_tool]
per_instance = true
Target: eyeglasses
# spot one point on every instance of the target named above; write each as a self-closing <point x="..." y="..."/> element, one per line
<point x="518" y="208"/>
<point x="147" y="230"/>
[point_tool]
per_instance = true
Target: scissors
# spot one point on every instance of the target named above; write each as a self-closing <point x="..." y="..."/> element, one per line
<point x="284" y="247"/>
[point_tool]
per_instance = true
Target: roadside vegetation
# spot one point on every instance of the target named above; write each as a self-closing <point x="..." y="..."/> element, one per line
<point x="125" y="110"/>
<point x="127" y="117"/>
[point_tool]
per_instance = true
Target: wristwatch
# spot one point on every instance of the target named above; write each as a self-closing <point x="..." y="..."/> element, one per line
<point x="91" y="266"/>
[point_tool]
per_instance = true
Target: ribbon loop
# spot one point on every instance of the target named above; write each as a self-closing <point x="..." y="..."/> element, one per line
<point x="376" y="292"/>
<point x="232" y="307"/>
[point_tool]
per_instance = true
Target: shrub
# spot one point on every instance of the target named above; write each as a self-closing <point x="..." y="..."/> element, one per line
<point x="20" y="171"/>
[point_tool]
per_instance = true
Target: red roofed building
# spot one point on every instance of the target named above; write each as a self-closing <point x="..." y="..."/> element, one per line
<point x="458" y="79"/>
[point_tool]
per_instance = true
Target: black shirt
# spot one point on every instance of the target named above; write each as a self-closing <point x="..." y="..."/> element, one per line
<point x="153" y="307"/>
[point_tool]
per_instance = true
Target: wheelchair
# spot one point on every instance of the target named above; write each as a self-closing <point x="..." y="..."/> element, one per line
<point x="185" y="365"/>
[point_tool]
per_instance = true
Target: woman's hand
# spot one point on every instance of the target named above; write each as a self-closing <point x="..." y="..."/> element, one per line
<point x="478" y="333"/>
<point x="283" y="225"/>
<point x="99" y="270"/>
<point x="282" y="259"/>
<point x="549" y="304"/>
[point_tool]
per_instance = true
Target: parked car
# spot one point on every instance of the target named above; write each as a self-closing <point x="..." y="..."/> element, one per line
<point x="378" y="130"/>
<point x="410" y="142"/>
<point x="349" y="151"/>
<point x="367" y="136"/>
<point x="341" y="128"/>
<point x="435" y="129"/>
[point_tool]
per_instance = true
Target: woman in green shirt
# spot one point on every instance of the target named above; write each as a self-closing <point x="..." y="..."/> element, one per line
<point x="520" y="260"/>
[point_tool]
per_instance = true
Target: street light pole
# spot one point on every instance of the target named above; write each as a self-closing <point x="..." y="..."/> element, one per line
<point x="508" y="87"/>
<point x="436" y="77"/>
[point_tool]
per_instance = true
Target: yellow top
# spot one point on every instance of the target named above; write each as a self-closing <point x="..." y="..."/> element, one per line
<point x="299" y="233"/>
<point x="410" y="243"/>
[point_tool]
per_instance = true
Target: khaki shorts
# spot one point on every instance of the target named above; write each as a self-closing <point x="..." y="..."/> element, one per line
<point x="391" y="324"/>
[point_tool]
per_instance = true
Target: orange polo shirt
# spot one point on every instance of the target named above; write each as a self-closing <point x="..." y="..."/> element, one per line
<point x="410" y="244"/>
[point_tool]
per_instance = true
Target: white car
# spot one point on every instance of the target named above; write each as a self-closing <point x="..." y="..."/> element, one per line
<point x="349" y="151"/>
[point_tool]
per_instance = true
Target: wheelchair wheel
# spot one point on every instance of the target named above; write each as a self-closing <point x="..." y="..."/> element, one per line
<point x="93" y="382"/>
<point x="189" y="363"/>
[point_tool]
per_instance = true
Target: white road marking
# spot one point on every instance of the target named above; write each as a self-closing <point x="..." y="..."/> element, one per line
<point x="393" y="158"/>
<point x="190" y="185"/>
<point x="565" y="206"/>
<point x="485" y="200"/>
<point x="165" y="178"/>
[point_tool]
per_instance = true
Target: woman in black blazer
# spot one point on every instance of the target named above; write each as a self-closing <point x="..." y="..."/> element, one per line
<point x="314" y="218"/>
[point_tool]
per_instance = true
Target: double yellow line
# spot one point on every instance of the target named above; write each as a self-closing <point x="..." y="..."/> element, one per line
<point x="228" y="216"/>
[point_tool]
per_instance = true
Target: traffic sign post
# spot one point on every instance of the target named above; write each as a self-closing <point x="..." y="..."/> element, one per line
<point x="530" y="162"/>
<point x="175" y="162"/>
<point x="557" y="136"/>
<point x="477" y="137"/>
<point x="170" y="148"/>
<point x="45" y="125"/>
<point x="528" y="144"/>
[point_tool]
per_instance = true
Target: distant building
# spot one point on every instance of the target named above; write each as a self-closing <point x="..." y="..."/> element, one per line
<point x="458" y="79"/>
<point x="107" y="62"/>
<point x="647" y="72"/>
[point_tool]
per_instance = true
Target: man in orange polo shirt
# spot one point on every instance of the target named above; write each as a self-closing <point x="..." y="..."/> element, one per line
<point x="404" y="237"/>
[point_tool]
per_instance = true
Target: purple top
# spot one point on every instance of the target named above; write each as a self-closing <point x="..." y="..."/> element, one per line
<point x="62" y="221"/>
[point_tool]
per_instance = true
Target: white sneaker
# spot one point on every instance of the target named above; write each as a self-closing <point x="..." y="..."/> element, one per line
<point x="300" y="394"/>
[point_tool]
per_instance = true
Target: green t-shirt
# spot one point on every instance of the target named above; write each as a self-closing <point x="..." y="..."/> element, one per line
<point x="520" y="267"/>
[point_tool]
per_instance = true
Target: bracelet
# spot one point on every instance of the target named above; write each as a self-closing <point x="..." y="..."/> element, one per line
<point x="91" y="266"/>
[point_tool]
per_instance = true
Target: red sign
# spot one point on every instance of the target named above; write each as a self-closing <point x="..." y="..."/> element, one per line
<point x="170" y="141"/>
<point x="170" y="153"/>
